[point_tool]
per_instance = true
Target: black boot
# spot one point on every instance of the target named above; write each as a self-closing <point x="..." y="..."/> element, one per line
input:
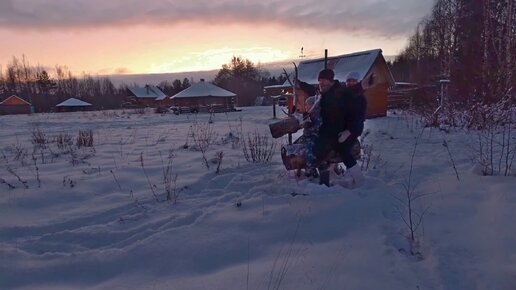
<point x="324" y="173"/>
<point x="324" y="177"/>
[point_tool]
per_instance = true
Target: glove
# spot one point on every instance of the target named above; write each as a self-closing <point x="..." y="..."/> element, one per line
<point x="344" y="135"/>
<point x="307" y="123"/>
<point x="298" y="117"/>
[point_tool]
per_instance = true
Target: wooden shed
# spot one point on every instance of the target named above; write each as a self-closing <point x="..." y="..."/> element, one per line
<point x="148" y="96"/>
<point x="204" y="96"/>
<point x="72" y="105"/>
<point x="363" y="63"/>
<point x="14" y="105"/>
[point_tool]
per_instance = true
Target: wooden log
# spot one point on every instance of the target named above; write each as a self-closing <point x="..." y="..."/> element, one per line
<point x="284" y="126"/>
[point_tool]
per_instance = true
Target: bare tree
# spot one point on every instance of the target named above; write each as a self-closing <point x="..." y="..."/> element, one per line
<point x="470" y="42"/>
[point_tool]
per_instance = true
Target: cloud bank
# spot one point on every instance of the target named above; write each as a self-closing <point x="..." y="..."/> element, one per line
<point x="372" y="17"/>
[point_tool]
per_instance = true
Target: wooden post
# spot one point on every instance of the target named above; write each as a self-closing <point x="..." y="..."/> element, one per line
<point x="273" y="108"/>
<point x="325" y="58"/>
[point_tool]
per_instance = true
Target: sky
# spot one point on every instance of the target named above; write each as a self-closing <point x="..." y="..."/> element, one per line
<point x="160" y="36"/>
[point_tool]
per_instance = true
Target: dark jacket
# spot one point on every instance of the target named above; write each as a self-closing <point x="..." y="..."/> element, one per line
<point x="355" y="106"/>
<point x="342" y="108"/>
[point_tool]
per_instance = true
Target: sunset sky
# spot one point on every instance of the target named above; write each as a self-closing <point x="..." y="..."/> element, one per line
<point x="158" y="36"/>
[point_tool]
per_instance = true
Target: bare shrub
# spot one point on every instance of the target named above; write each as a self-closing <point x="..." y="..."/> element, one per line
<point x="495" y="150"/>
<point x="139" y="111"/>
<point x="116" y="179"/>
<point x="7" y="183"/>
<point x="412" y="218"/>
<point x="4" y="157"/>
<point x="38" y="137"/>
<point x="171" y="191"/>
<point x="74" y="157"/>
<point x="283" y="262"/>
<point x="63" y="141"/>
<point x="203" y="136"/>
<point x="36" y="168"/>
<point x="219" y="156"/>
<point x="77" y="157"/>
<point x="369" y="158"/>
<point x="445" y="144"/>
<point x="84" y="138"/>
<point x="366" y="157"/>
<point x="20" y="153"/>
<point x="452" y="115"/>
<point x="494" y="127"/>
<point x="235" y="134"/>
<point x="110" y="114"/>
<point x="169" y="178"/>
<point x="23" y="182"/>
<point x="151" y="186"/>
<point x="231" y="138"/>
<point x="258" y="148"/>
<point x="67" y="181"/>
<point x="491" y="124"/>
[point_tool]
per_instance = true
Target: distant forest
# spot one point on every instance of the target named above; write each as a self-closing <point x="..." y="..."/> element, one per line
<point x="44" y="89"/>
<point x="469" y="42"/>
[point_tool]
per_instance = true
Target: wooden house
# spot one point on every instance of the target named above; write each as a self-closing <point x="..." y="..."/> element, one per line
<point x="149" y="96"/>
<point x="14" y="105"/>
<point x="204" y="96"/>
<point x="362" y="63"/>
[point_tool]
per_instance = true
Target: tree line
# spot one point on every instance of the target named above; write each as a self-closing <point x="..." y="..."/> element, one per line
<point x="242" y="77"/>
<point x="471" y="43"/>
<point x="45" y="88"/>
<point x="175" y="87"/>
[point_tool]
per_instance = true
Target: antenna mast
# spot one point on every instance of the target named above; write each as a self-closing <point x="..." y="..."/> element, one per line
<point x="302" y="55"/>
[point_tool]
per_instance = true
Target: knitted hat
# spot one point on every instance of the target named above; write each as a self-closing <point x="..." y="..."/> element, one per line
<point x="353" y="76"/>
<point x="326" y="74"/>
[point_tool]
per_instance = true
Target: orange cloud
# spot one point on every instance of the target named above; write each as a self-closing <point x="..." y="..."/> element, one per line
<point x="133" y="36"/>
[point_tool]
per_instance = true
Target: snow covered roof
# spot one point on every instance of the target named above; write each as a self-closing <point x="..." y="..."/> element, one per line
<point x="360" y="62"/>
<point x="73" y="102"/>
<point x="203" y="89"/>
<point x="148" y="91"/>
<point x="286" y="84"/>
<point x="14" y="101"/>
<point x="405" y="84"/>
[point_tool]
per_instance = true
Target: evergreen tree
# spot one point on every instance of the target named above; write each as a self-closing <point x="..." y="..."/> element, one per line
<point x="241" y="77"/>
<point x="44" y="82"/>
<point x="186" y="83"/>
<point x="177" y="86"/>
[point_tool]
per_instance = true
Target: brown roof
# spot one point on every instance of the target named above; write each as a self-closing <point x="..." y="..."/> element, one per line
<point x="14" y="101"/>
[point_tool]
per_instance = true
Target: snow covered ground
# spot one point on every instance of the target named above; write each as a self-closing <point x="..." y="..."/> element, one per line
<point x="96" y="219"/>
